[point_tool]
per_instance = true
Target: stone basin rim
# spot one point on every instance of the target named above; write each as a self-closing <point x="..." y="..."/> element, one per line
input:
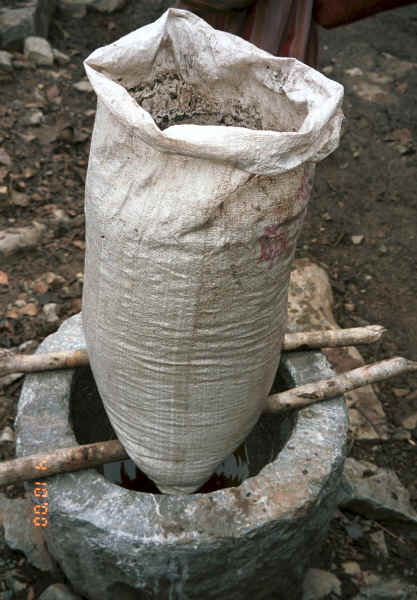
<point x="265" y="497"/>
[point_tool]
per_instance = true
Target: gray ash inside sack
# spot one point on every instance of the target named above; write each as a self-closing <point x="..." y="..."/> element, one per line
<point x="172" y="101"/>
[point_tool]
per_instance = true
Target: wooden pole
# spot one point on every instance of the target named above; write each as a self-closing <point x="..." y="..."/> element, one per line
<point x="29" y="363"/>
<point x="62" y="460"/>
<point x="46" y="361"/>
<point x="340" y="384"/>
<point x="333" y="337"/>
<point x="90" y="455"/>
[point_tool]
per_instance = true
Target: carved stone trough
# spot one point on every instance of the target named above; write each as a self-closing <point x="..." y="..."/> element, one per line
<point x="254" y="540"/>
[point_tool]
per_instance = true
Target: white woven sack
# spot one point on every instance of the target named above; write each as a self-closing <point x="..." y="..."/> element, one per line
<point x="191" y="231"/>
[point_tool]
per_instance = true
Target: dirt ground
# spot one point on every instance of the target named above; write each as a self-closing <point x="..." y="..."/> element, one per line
<point x="361" y="226"/>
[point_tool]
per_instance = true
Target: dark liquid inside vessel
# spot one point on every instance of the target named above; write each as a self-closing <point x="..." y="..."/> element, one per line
<point x="230" y="473"/>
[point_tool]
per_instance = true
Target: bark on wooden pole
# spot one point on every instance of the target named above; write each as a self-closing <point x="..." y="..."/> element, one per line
<point x="46" y="361"/>
<point x="332" y="337"/>
<point x="90" y="455"/>
<point x="334" y="386"/>
<point x="24" y="363"/>
<point x="62" y="460"/>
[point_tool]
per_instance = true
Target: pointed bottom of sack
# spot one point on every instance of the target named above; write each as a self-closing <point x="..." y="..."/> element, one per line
<point x="178" y="490"/>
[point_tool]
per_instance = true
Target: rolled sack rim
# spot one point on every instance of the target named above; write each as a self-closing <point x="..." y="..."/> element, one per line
<point x="260" y="152"/>
<point x="281" y="491"/>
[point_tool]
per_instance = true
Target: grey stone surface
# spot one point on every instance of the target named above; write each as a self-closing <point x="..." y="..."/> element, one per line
<point x="58" y="591"/>
<point x="319" y="584"/>
<point x="28" y="538"/>
<point x="15" y="238"/>
<point x="6" y="66"/>
<point x="375" y="493"/>
<point x="388" y="590"/>
<point x="8" y="559"/>
<point x="83" y="86"/>
<point x="18" y="23"/>
<point x="49" y="310"/>
<point x="254" y="540"/>
<point x="7" y="435"/>
<point x="34" y="118"/>
<point x="38" y="51"/>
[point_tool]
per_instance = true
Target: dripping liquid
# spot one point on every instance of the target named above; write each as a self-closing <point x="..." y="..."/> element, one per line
<point x="230" y="473"/>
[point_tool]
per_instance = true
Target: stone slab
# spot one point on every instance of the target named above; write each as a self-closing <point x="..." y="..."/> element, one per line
<point x="375" y="493"/>
<point x="38" y="51"/>
<point x="254" y="540"/>
<point x="28" y="539"/>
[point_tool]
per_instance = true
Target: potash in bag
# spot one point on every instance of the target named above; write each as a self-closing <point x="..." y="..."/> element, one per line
<point x="201" y="165"/>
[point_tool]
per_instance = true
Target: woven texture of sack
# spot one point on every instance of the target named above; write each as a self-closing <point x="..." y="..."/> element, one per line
<point x="191" y="231"/>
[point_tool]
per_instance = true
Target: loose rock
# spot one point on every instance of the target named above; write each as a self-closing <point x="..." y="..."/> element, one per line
<point x="12" y="240"/>
<point x="351" y="567"/>
<point x="34" y="118"/>
<point x="410" y="422"/>
<point x="4" y="278"/>
<point x="58" y="217"/>
<point x="6" y="66"/>
<point x="327" y="69"/>
<point x="49" y="311"/>
<point x="5" y="158"/>
<point x="83" y="86"/>
<point x="58" y="591"/>
<point x="30" y="309"/>
<point x="375" y="493"/>
<point x="319" y="584"/>
<point x="7" y="435"/>
<point x="378" y="544"/>
<point x="354" y="72"/>
<point x="38" y="51"/>
<point x="17" y="24"/>
<point x="19" y="199"/>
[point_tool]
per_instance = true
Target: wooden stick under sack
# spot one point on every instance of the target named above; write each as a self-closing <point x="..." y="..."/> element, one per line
<point x="29" y="363"/>
<point x="90" y="455"/>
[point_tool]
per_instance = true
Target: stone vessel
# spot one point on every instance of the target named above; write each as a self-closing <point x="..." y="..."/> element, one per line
<point x="254" y="540"/>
